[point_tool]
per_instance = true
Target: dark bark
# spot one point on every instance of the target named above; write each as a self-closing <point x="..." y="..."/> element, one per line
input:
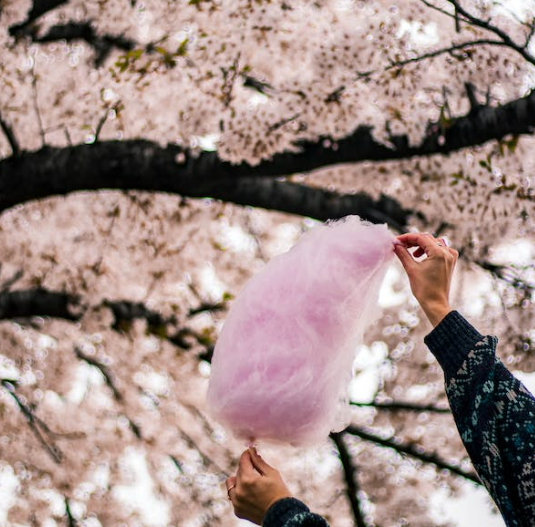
<point x="10" y="136"/>
<point x="102" y="44"/>
<point x="106" y="372"/>
<point x="397" y="406"/>
<point x="40" y="430"/>
<point x="143" y="165"/>
<point x="126" y="312"/>
<point x="411" y="450"/>
<point x="38" y="302"/>
<point x="350" y="477"/>
<point x="312" y="202"/>
<point x="39" y="8"/>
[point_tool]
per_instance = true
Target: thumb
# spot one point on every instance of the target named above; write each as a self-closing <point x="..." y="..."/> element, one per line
<point x="405" y="257"/>
<point x="258" y="462"/>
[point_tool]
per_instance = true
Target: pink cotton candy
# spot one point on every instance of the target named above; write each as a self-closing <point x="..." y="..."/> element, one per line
<point x="282" y="364"/>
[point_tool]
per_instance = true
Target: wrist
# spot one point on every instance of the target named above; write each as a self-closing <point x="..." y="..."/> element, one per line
<point x="436" y="311"/>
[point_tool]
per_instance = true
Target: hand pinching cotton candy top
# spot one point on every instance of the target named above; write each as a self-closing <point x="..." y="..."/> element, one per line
<point x="282" y="364"/>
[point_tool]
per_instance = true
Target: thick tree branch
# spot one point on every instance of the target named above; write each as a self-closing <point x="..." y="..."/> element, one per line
<point x="146" y="166"/>
<point x="102" y="44"/>
<point x="43" y="303"/>
<point x="350" y="476"/>
<point x="39" y="8"/>
<point x="411" y="450"/>
<point x="124" y="312"/>
<point x="142" y="165"/>
<point x="38" y="302"/>
<point x="309" y="201"/>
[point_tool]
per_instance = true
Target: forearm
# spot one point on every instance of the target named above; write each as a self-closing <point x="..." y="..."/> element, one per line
<point x="495" y="415"/>
<point x="290" y="512"/>
<point x="436" y="311"/>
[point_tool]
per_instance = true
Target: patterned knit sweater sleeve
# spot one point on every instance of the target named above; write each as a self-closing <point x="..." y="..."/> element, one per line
<point x="495" y="415"/>
<point x="290" y="512"/>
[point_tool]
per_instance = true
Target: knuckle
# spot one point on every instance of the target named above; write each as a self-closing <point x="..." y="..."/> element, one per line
<point x="246" y="481"/>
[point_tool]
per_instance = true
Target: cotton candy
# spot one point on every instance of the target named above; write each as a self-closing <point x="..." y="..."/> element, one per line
<point x="282" y="364"/>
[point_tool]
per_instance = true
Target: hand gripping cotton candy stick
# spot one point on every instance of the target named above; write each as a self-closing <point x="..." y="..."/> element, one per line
<point x="282" y="364"/>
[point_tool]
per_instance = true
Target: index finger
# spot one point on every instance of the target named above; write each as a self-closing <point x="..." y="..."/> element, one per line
<point x="417" y="239"/>
<point x="245" y="465"/>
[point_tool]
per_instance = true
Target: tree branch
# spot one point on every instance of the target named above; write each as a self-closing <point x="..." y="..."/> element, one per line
<point x="350" y="476"/>
<point x="399" y="406"/>
<point x="10" y="136"/>
<point x="38" y="302"/>
<point x="464" y="16"/>
<point x="143" y="165"/>
<point x="310" y="202"/>
<point x="404" y="448"/>
<point x="508" y="275"/>
<point x="71" y="521"/>
<point x="102" y="44"/>
<point x="125" y="312"/>
<point x="39" y="8"/>
<point x="33" y="422"/>
<point x="36" y="106"/>
<point x="106" y="373"/>
<point x="432" y="54"/>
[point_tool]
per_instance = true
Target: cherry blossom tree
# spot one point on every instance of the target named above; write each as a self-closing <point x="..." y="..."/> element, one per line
<point x="154" y="155"/>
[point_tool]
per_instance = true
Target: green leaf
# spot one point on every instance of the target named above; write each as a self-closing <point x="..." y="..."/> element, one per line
<point x="161" y="51"/>
<point x="183" y="48"/>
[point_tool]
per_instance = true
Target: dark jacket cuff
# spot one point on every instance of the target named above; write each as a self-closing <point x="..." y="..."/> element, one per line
<point x="451" y="342"/>
<point x="282" y="511"/>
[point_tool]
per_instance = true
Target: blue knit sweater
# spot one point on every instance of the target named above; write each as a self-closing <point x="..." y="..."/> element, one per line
<point x="495" y="416"/>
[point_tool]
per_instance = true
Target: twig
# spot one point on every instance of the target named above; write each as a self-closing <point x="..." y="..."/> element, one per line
<point x="506" y="274"/>
<point x="471" y="94"/>
<point x="281" y="123"/>
<point x="4" y="288"/>
<point x="10" y="136"/>
<point x="229" y="77"/>
<point x="36" y="106"/>
<point x="455" y="15"/>
<point x="33" y="422"/>
<point x="101" y="123"/>
<point x="529" y="36"/>
<point x="506" y="39"/>
<point x="350" y="476"/>
<point x="177" y="463"/>
<point x="207" y="306"/>
<point x="108" y="376"/>
<point x="206" y="460"/>
<point x="398" y="406"/>
<point x="433" y="54"/>
<point x="68" y="136"/>
<point x="404" y="448"/>
<point x="71" y="520"/>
